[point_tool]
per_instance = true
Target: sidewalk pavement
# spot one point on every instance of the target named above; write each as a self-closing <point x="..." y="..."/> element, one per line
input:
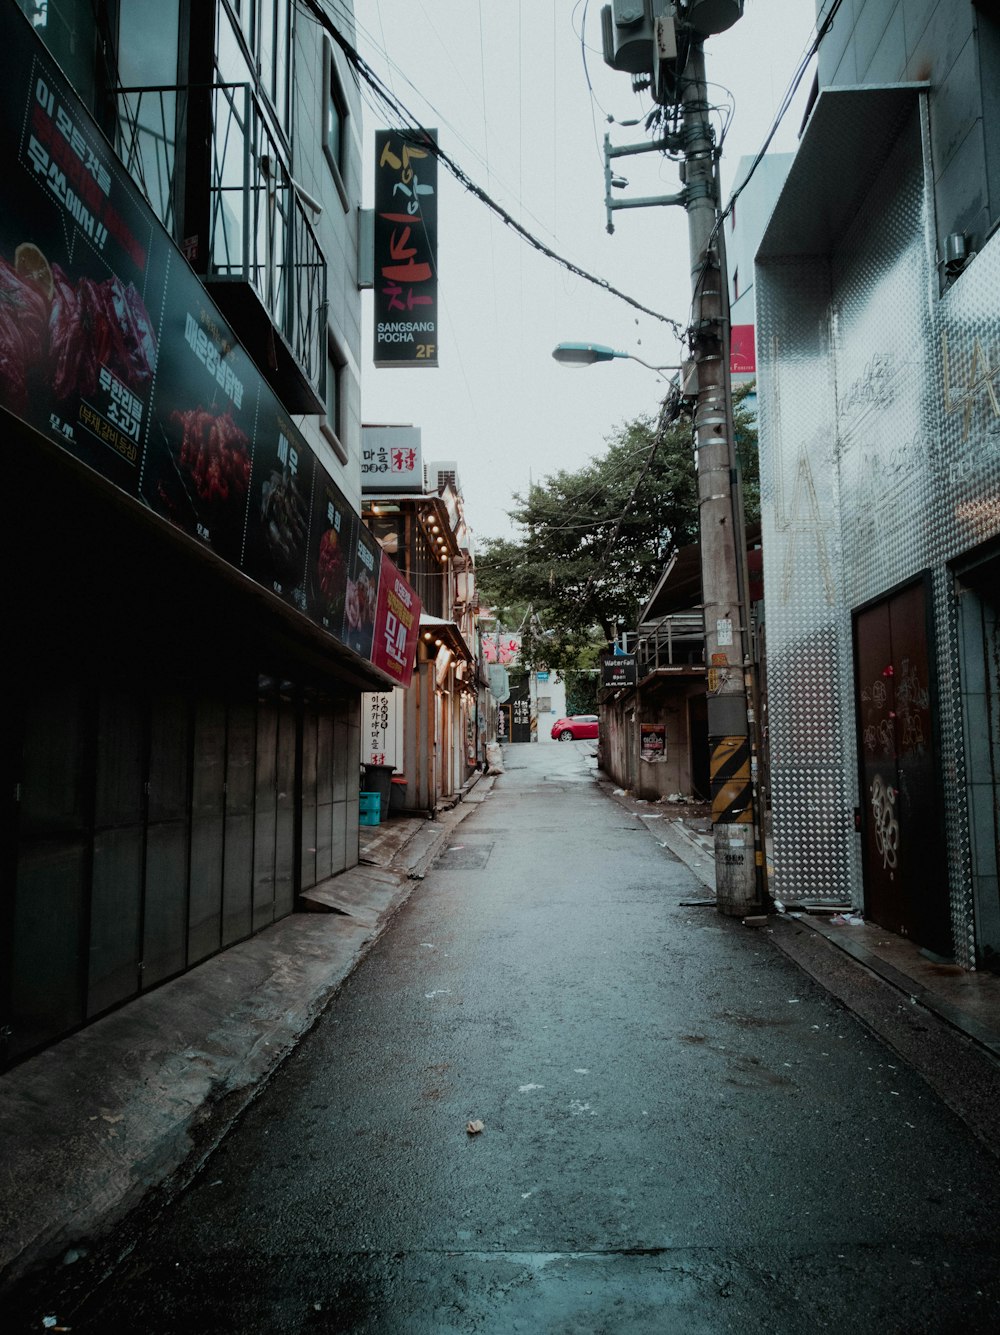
<point x="943" y="1019"/>
<point x="128" y="1109"/>
<point x="135" y="1102"/>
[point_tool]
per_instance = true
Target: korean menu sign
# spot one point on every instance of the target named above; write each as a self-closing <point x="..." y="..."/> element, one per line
<point x="406" y="276"/>
<point x="111" y="348"/>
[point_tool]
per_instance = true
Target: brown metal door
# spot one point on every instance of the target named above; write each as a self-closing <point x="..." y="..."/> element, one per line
<point x="905" y="886"/>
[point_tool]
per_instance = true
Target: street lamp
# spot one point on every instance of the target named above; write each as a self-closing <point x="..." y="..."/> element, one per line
<point x="586" y="354"/>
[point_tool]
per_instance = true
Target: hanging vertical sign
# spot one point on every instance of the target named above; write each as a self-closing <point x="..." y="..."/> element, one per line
<point x="382" y="729"/>
<point x="406" y="279"/>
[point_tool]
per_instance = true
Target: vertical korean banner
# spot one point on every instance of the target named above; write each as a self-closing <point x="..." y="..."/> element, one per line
<point x="406" y="271"/>
<point x="397" y="624"/>
<point x="382" y="729"/>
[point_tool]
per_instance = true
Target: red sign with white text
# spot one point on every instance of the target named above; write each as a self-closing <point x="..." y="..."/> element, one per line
<point x="397" y="625"/>
<point x="742" y="351"/>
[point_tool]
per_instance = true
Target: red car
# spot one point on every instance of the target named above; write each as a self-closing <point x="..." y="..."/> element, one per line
<point x="575" y="728"/>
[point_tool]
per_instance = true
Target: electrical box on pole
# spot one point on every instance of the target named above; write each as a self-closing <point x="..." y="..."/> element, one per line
<point x="628" y="29"/>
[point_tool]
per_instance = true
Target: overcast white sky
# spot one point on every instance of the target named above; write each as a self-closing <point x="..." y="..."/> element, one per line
<point x="504" y="84"/>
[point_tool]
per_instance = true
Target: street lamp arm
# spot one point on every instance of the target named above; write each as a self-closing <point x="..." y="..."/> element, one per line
<point x="586" y="354"/>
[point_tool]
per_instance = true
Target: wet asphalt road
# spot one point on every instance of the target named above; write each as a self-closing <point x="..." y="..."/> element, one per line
<point x="683" y="1133"/>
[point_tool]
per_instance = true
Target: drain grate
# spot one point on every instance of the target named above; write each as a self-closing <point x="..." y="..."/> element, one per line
<point x="470" y="857"/>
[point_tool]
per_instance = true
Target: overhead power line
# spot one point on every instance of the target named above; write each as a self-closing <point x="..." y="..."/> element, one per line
<point x="406" y="117"/>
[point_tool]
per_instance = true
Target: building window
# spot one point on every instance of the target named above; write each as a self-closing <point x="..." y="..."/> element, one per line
<point x="266" y="26"/>
<point x="335" y="122"/>
<point x="333" y="426"/>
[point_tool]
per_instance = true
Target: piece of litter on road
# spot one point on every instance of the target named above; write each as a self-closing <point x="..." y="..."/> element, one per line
<point x="619" y="792"/>
<point x="474" y="1128"/>
<point x="794" y="1001"/>
<point x="581" y="1070"/>
<point x="428" y="945"/>
<point x="526" y="1194"/>
<point x="650" y="815"/>
<point x="526" y="1089"/>
<point x="438" y="992"/>
<point x="453" y="848"/>
<point x="755" y="920"/>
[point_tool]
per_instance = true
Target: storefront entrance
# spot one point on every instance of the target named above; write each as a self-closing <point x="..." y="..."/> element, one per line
<point x="901" y="817"/>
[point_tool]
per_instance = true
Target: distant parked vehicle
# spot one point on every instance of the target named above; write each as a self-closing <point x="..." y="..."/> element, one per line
<point x="575" y="728"/>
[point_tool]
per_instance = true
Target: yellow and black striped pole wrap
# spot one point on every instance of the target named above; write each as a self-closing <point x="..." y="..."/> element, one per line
<point x="732" y="799"/>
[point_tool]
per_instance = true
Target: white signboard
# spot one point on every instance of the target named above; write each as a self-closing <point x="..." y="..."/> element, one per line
<point x="382" y="724"/>
<point x="390" y="459"/>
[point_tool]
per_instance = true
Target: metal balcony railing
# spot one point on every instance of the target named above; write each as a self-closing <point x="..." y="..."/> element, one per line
<point x="259" y="230"/>
<point x="677" y="640"/>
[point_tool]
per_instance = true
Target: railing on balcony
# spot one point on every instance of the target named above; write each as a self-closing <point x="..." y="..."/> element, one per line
<point x="259" y="229"/>
<point x="677" y="640"/>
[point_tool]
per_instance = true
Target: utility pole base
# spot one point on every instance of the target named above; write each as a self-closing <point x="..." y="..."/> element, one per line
<point x="735" y="870"/>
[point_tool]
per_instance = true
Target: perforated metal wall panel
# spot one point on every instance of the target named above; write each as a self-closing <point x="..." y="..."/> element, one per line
<point x="880" y="460"/>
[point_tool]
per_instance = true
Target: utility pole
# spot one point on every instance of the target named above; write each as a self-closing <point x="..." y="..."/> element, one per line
<point x="723" y="541"/>
<point x="640" y="37"/>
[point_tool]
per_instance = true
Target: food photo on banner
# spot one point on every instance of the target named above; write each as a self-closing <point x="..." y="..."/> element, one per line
<point x="361" y="597"/>
<point x="277" y="537"/>
<point x="82" y="270"/>
<point x="200" y="444"/>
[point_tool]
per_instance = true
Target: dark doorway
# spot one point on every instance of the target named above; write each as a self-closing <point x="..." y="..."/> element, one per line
<point x="905" y="887"/>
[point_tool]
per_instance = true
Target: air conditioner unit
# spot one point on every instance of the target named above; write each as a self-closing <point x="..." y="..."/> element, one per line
<point x="438" y="474"/>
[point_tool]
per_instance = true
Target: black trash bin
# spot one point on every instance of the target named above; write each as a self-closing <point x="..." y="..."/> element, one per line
<point x="378" y="779"/>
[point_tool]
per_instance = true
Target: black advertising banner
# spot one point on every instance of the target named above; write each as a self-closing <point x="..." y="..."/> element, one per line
<point x="277" y="539"/>
<point x="111" y="347"/>
<point x="331" y="538"/>
<point x="198" y="460"/>
<point x="81" y="274"/>
<point x="619" y="670"/>
<point x="361" y="598"/>
<point x="406" y="272"/>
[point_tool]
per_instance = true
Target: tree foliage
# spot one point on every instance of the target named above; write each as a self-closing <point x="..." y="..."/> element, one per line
<point x="593" y="542"/>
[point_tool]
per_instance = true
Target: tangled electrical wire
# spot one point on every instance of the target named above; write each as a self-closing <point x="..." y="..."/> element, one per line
<point x="406" y="118"/>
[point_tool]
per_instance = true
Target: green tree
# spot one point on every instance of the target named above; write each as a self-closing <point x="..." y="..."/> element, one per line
<point x="594" y="541"/>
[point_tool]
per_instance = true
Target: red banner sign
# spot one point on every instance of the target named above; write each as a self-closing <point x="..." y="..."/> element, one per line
<point x="742" y="351"/>
<point x="397" y="622"/>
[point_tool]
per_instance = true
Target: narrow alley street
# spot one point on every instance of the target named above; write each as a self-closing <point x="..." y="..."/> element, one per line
<point x="681" y="1132"/>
